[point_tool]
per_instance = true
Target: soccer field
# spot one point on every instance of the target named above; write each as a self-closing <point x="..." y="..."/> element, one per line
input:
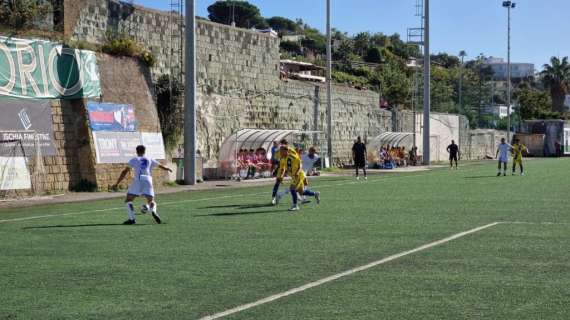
<point x="504" y="252"/>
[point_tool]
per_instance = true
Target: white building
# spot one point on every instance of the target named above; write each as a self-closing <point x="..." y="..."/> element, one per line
<point x="518" y="70"/>
<point x="500" y="111"/>
<point x="292" y="37"/>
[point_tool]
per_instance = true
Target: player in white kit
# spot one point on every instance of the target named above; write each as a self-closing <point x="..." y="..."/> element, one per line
<point x="142" y="183"/>
<point x="503" y="151"/>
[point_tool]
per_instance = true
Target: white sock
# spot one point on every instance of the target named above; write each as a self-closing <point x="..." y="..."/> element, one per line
<point x="153" y="206"/>
<point x="131" y="210"/>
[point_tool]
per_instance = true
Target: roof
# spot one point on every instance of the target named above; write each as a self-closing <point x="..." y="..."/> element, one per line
<point x="308" y="66"/>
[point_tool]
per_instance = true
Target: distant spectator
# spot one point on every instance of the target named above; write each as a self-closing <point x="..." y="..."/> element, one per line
<point x="453" y="150"/>
<point x="558" y="147"/>
<point x="359" y="157"/>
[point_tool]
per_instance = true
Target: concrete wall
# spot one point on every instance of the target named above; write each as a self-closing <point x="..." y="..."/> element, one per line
<point x="73" y="161"/>
<point x="95" y="20"/>
<point x="482" y="144"/>
<point x="238" y="80"/>
<point x="124" y="80"/>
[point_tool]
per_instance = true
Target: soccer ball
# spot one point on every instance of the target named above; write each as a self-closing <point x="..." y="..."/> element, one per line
<point x="144" y="208"/>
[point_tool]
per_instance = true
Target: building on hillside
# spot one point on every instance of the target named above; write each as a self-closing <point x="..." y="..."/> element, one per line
<point x="292" y="37"/>
<point x="268" y="31"/>
<point x="498" y="111"/>
<point x="519" y="71"/>
<point x="301" y="71"/>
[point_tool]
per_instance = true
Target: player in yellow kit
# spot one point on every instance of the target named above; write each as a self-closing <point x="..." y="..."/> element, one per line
<point x="517" y="150"/>
<point x="290" y="164"/>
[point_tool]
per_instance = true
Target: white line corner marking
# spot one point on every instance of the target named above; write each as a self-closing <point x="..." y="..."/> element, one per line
<point x="346" y="273"/>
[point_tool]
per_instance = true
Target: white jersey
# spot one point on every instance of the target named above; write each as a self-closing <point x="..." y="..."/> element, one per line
<point x="143" y="167"/>
<point x="308" y="162"/>
<point x="504" y="149"/>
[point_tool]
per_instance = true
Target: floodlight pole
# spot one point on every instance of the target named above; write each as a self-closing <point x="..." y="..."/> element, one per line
<point x="190" y="96"/>
<point x="329" y="86"/>
<point x="509" y="5"/>
<point x="427" y="87"/>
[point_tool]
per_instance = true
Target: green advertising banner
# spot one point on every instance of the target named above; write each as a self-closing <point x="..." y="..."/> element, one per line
<point x="42" y="69"/>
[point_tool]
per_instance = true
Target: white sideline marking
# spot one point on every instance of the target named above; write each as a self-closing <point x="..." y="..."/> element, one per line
<point x="545" y="223"/>
<point x="173" y="202"/>
<point x="346" y="273"/>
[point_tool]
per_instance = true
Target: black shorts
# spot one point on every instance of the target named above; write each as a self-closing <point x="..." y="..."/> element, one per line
<point x="452" y="157"/>
<point x="360" y="163"/>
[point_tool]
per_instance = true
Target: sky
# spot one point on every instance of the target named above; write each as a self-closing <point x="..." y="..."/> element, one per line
<point x="540" y="28"/>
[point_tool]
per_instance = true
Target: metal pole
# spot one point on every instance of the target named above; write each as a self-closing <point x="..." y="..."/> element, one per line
<point x="461" y="86"/>
<point x="329" y="86"/>
<point x="190" y="97"/>
<point x="316" y="115"/>
<point x="509" y="76"/>
<point x="427" y="87"/>
<point x="415" y="103"/>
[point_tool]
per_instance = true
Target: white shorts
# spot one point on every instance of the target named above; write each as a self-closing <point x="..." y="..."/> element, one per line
<point x="141" y="188"/>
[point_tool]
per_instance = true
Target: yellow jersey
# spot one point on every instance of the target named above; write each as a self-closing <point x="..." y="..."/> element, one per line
<point x="518" y="150"/>
<point x="290" y="164"/>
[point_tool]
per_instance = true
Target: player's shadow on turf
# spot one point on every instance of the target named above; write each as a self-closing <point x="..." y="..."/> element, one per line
<point x="240" y="206"/>
<point x="236" y="213"/>
<point x="83" y="225"/>
<point x="481" y="177"/>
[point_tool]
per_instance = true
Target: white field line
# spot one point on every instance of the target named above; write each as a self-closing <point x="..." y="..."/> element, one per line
<point x="177" y="202"/>
<point x="345" y="273"/>
<point x="545" y="223"/>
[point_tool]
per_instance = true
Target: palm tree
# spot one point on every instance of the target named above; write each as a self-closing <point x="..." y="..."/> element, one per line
<point x="556" y="77"/>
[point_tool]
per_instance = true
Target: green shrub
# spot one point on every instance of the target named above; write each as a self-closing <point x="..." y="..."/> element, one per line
<point x="148" y="58"/>
<point x="123" y="46"/>
<point x="22" y="14"/>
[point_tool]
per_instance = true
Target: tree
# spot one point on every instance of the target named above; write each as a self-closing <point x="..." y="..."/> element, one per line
<point x="170" y="112"/>
<point x="373" y="55"/>
<point x="283" y="25"/>
<point x="314" y="41"/>
<point x="21" y="14"/>
<point x="443" y="90"/>
<point x="361" y="42"/>
<point x="342" y="56"/>
<point x="534" y="104"/>
<point x="556" y="77"/>
<point x="243" y="13"/>
<point x="395" y="84"/>
<point x="445" y="60"/>
<point x="290" y="47"/>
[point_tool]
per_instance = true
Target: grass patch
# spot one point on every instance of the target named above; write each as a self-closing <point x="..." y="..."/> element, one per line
<point x="223" y="248"/>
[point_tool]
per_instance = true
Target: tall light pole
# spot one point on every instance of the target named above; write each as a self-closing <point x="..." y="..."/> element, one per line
<point x="427" y="86"/>
<point x="462" y="54"/>
<point x="509" y="5"/>
<point x="190" y="96"/>
<point x="329" y="85"/>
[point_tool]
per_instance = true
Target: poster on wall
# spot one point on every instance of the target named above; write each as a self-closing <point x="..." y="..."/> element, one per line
<point x="115" y="147"/>
<point x="47" y="70"/>
<point x="120" y="147"/>
<point x="14" y="174"/>
<point x="154" y="145"/>
<point x="111" y="117"/>
<point x="28" y="122"/>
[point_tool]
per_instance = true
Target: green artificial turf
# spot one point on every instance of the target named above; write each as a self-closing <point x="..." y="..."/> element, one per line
<point x="224" y="248"/>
